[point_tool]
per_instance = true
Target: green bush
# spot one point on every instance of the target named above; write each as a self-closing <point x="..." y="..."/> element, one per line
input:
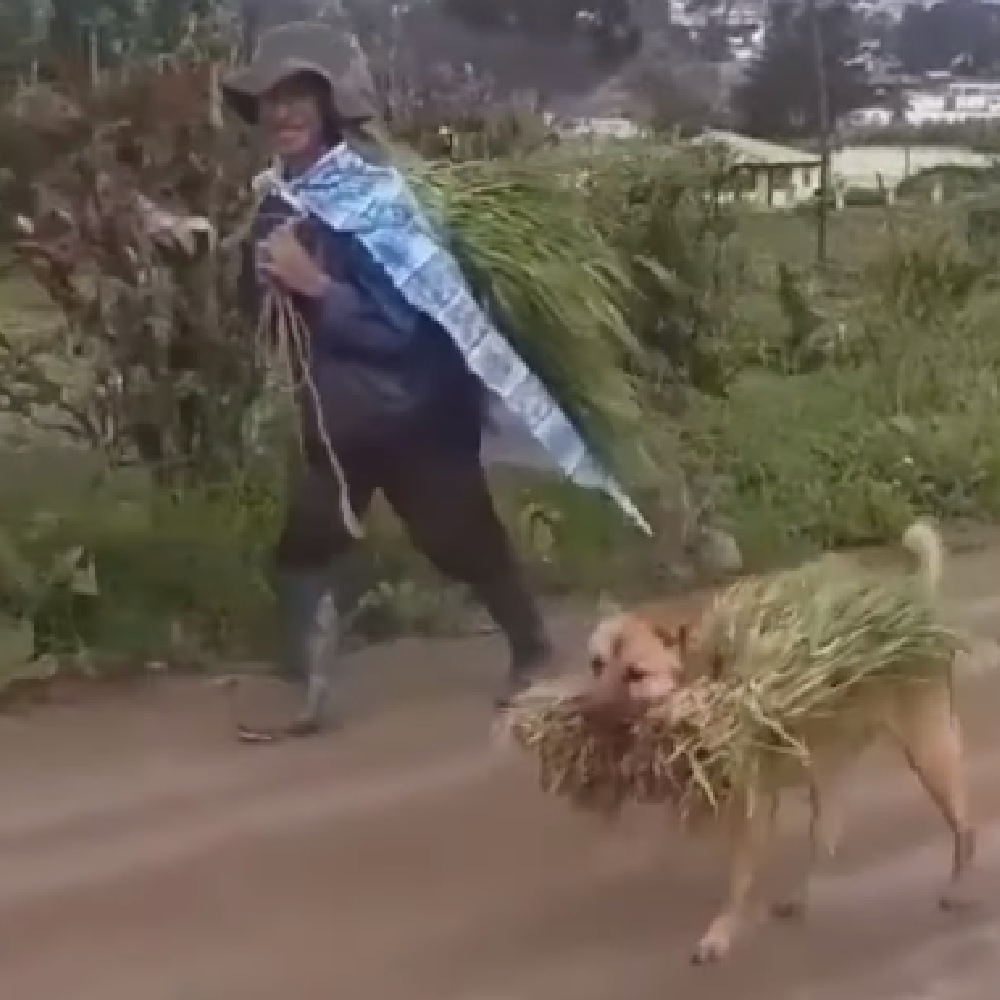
<point x="956" y="182"/>
<point x="899" y="420"/>
<point x="112" y="572"/>
<point x="101" y="571"/>
<point x="660" y="206"/>
<point x="864" y="197"/>
<point x="806" y="462"/>
<point x="808" y="407"/>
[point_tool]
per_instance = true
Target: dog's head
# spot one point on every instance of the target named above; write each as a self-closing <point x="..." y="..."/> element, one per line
<point x="634" y="663"/>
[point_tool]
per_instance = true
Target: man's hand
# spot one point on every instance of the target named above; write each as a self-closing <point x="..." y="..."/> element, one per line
<point x="288" y="263"/>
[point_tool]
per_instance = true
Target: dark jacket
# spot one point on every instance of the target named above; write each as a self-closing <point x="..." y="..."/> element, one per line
<point x="382" y="370"/>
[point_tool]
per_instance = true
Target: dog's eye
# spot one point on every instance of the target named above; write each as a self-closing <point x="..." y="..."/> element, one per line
<point x="633" y="675"/>
<point x="596" y="666"/>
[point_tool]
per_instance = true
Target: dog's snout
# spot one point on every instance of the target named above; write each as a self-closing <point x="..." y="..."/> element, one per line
<point x="594" y="704"/>
<point x="607" y="701"/>
<point x="596" y="695"/>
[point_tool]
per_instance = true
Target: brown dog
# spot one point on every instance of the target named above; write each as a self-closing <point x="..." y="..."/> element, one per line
<point x="639" y="657"/>
<point x="642" y="656"/>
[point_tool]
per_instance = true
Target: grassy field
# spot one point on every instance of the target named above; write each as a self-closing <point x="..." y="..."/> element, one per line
<point x="23" y="304"/>
<point x="888" y="411"/>
<point x="858" y="238"/>
<point x="856" y="235"/>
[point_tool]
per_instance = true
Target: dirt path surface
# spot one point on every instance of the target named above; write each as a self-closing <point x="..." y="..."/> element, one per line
<point x="145" y="856"/>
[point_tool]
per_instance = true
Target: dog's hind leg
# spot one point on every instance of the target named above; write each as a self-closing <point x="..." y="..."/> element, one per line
<point x="753" y="827"/>
<point x="931" y="738"/>
<point x="825" y="830"/>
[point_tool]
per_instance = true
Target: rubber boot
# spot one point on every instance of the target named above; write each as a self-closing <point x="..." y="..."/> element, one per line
<point x="308" y="622"/>
<point x="514" y="610"/>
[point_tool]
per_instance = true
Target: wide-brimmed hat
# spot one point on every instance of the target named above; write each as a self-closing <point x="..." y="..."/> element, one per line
<point x="303" y="47"/>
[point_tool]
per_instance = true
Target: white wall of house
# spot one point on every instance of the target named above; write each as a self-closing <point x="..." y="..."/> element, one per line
<point x="953" y="103"/>
<point x="607" y="128"/>
<point x="767" y="174"/>
<point x="875" y="116"/>
<point x="778" y="187"/>
<point x="862" y="166"/>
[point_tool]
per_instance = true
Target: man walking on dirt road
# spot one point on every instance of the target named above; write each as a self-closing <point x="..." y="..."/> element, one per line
<point x="394" y="406"/>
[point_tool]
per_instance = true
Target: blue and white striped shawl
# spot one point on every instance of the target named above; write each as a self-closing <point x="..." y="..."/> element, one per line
<point x="373" y="203"/>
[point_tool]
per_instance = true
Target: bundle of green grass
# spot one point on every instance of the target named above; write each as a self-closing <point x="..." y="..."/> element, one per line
<point x="533" y="255"/>
<point x="801" y="650"/>
<point x="530" y="248"/>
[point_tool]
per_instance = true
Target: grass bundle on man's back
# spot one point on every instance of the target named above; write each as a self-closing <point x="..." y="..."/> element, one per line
<point x="556" y="287"/>
<point x="529" y="247"/>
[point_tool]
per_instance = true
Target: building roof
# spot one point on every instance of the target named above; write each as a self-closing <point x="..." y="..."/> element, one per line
<point x="610" y="99"/>
<point x="747" y="150"/>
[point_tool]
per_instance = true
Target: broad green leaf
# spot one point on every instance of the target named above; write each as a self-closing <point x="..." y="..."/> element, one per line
<point x="83" y="582"/>
<point x="17" y="642"/>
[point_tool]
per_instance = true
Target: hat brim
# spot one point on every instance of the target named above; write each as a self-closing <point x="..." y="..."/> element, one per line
<point x="244" y="88"/>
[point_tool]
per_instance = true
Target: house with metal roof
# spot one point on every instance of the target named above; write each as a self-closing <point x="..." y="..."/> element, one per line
<point x="766" y="173"/>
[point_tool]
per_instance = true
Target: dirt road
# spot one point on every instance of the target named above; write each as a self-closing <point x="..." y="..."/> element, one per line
<point x="144" y="856"/>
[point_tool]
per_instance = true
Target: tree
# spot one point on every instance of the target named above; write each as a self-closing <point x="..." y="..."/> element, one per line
<point x="713" y="41"/>
<point x="19" y="33"/>
<point x="781" y="95"/>
<point x="107" y="33"/>
<point x="75" y="25"/>
<point x="608" y="26"/>
<point x="937" y="37"/>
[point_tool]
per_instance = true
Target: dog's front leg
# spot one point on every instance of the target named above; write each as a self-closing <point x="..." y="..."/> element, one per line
<point x="825" y="832"/>
<point x="752" y="829"/>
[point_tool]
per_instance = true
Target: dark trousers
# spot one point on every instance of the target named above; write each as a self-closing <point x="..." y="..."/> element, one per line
<point x="438" y="489"/>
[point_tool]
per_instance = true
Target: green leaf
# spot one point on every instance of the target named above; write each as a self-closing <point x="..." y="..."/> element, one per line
<point x="66" y="564"/>
<point x="45" y="668"/>
<point x="83" y="582"/>
<point x="75" y="569"/>
<point x="658" y="270"/>
<point x="904" y="424"/>
<point x="17" y="575"/>
<point x="17" y="642"/>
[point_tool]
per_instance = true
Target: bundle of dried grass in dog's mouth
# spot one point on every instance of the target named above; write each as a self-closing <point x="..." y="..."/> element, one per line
<point x="602" y="768"/>
<point x="802" y="650"/>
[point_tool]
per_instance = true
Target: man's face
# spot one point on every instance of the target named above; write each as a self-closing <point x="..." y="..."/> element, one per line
<point x="290" y="112"/>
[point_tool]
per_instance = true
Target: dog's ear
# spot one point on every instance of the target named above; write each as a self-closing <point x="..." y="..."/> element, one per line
<point x="665" y="635"/>
<point x="675" y="637"/>
<point x="717" y="667"/>
<point x="607" y="606"/>
<point x="683" y="635"/>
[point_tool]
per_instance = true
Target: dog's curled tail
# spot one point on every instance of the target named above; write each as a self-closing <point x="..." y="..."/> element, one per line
<point x="923" y="541"/>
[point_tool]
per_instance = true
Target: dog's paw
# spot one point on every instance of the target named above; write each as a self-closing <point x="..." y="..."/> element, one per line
<point x="710" y="950"/>
<point x="957" y="901"/>
<point x="793" y="908"/>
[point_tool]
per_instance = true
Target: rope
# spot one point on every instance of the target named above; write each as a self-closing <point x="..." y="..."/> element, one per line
<point x="281" y="317"/>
